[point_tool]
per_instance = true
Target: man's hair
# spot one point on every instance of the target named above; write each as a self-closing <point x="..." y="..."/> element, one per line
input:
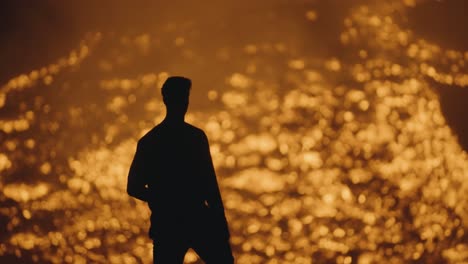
<point x="176" y="89"/>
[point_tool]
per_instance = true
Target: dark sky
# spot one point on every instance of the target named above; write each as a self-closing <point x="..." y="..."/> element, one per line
<point x="35" y="33"/>
<point x="444" y="22"/>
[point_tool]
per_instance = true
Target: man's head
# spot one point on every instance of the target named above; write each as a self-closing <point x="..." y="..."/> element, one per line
<point x="175" y="92"/>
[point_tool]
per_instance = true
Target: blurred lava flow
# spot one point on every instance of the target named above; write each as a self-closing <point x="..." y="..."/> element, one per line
<point x="340" y="160"/>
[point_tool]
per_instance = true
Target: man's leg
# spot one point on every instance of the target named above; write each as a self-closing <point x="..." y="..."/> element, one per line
<point x="169" y="252"/>
<point x="213" y="250"/>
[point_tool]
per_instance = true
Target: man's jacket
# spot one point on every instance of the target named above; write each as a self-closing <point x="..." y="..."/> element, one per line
<point x="173" y="172"/>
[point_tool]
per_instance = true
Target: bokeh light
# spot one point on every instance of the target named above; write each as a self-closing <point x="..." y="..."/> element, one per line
<point x="321" y="159"/>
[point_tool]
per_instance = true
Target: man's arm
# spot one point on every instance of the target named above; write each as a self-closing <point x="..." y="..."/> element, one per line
<point x="214" y="199"/>
<point x="137" y="183"/>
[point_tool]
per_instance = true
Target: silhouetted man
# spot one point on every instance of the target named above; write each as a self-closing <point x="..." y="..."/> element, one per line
<point x="172" y="170"/>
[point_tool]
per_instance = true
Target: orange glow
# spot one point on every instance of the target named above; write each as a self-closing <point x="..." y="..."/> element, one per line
<point x="346" y="159"/>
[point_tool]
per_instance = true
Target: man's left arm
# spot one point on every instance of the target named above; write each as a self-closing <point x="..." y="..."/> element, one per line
<point x="214" y="199"/>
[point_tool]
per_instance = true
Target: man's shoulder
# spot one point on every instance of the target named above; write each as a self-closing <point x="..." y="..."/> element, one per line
<point x="195" y="130"/>
<point x="197" y="134"/>
<point x="162" y="131"/>
<point x="151" y="134"/>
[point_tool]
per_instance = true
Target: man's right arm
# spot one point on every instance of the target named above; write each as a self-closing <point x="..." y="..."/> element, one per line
<point x="137" y="180"/>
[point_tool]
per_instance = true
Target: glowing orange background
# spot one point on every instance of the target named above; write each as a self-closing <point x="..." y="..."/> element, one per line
<point x="325" y="127"/>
